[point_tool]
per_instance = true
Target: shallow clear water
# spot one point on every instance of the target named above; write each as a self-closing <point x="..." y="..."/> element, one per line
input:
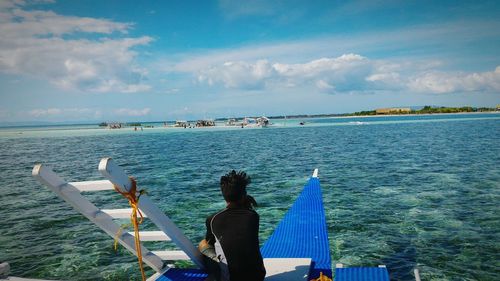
<point x="412" y="191"/>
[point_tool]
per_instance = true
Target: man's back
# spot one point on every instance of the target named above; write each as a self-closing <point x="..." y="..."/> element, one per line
<point x="237" y="229"/>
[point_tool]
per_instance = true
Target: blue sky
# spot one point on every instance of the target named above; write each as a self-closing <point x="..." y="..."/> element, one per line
<point x="77" y="61"/>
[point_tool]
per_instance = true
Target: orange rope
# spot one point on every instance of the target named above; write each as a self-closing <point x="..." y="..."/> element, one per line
<point x="322" y="278"/>
<point x="133" y="200"/>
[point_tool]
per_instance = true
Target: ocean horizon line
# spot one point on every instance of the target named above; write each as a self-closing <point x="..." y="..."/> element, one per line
<point x="15" y="124"/>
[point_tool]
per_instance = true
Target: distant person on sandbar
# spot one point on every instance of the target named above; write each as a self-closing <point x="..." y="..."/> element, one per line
<point x="231" y="245"/>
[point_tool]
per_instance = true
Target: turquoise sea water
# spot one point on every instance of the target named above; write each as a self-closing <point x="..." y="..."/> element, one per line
<point x="405" y="191"/>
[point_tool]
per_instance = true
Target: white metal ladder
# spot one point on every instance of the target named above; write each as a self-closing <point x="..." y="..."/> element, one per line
<point x="70" y="192"/>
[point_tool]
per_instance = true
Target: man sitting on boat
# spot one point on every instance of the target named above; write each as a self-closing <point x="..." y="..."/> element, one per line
<point x="231" y="244"/>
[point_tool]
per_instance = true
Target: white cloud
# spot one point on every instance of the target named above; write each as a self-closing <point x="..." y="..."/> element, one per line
<point x="45" y="112"/>
<point x="323" y="85"/>
<point x="239" y="74"/>
<point x="84" y="113"/>
<point x="384" y="77"/>
<point x="440" y="82"/>
<point x="319" y="66"/>
<point x="348" y="73"/>
<point x="119" y="86"/>
<point x="37" y="23"/>
<point x="388" y="81"/>
<point x="35" y="43"/>
<point x="9" y="4"/>
<point x="132" y="112"/>
<point x="72" y="113"/>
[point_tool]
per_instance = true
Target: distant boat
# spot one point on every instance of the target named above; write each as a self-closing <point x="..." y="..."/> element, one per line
<point x="249" y="122"/>
<point x="205" y="123"/>
<point x="181" y="124"/>
<point x="231" y="122"/>
<point x="263" y="121"/>
<point x="114" y="125"/>
<point x="256" y="122"/>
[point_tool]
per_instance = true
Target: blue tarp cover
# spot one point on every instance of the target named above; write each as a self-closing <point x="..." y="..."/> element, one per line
<point x="361" y="274"/>
<point x="302" y="233"/>
<point x="176" y="274"/>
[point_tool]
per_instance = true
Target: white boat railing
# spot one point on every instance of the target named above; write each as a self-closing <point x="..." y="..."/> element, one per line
<point x="103" y="218"/>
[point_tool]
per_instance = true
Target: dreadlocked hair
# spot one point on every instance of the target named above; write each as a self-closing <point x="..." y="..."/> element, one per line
<point x="233" y="185"/>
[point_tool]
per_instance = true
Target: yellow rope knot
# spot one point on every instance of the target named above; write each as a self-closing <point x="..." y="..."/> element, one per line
<point x="322" y="278"/>
<point x="133" y="200"/>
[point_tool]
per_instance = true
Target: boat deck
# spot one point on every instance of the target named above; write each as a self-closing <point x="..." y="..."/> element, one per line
<point x="302" y="233"/>
<point x="362" y="274"/>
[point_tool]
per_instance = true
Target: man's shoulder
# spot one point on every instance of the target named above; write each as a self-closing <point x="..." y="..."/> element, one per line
<point x="253" y="212"/>
<point x="243" y="212"/>
<point x="210" y="217"/>
<point x="234" y="211"/>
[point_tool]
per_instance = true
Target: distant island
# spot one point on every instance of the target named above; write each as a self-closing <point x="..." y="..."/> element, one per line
<point x="424" y="110"/>
<point x="395" y="111"/>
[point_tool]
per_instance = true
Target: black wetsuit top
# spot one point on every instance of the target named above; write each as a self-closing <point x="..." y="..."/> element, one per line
<point x="237" y="229"/>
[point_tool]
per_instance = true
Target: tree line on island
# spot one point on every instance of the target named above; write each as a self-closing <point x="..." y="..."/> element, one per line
<point x="424" y="110"/>
<point x="397" y="111"/>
